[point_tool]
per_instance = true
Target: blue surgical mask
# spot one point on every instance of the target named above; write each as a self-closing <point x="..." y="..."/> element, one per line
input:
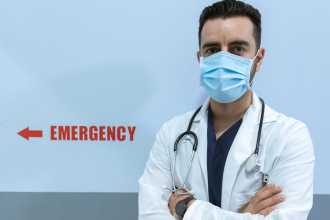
<point x="225" y="76"/>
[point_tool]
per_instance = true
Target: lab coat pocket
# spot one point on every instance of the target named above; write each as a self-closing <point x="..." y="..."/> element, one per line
<point x="247" y="186"/>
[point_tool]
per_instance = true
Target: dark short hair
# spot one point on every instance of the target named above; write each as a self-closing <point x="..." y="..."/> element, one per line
<point x="231" y="8"/>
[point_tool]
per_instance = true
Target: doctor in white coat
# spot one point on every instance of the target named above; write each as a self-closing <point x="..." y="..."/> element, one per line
<point x="229" y="56"/>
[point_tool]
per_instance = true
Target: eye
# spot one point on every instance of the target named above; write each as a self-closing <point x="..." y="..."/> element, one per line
<point x="211" y="50"/>
<point x="238" y="50"/>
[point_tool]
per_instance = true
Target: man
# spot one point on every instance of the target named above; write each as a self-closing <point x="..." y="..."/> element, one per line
<point x="220" y="185"/>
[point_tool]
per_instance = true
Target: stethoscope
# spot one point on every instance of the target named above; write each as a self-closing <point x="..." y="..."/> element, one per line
<point x="252" y="164"/>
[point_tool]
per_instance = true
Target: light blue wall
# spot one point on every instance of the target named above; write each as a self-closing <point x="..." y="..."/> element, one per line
<point x="119" y="62"/>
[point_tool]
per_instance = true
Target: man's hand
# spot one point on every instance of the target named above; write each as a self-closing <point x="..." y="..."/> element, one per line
<point x="175" y="198"/>
<point x="264" y="201"/>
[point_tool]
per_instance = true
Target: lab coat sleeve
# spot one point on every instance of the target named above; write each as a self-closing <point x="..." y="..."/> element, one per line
<point x="153" y="195"/>
<point x="293" y="171"/>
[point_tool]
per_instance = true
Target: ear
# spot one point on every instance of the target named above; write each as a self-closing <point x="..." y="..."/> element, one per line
<point x="260" y="58"/>
<point x="198" y="54"/>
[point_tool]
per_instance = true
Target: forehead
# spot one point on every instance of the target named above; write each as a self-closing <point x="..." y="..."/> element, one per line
<point x="225" y="30"/>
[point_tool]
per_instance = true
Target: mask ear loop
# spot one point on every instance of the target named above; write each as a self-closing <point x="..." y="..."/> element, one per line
<point x="254" y="77"/>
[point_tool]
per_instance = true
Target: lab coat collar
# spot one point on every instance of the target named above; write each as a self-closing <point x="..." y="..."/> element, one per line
<point x="255" y="106"/>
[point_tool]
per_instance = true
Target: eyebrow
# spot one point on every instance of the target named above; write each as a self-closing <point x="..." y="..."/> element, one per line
<point x="240" y="42"/>
<point x="235" y="42"/>
<point x="210" y="44"/>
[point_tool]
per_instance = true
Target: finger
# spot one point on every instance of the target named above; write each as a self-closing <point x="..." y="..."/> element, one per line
<point x="266" y="192"/>
<point x="269" y="202"/>
<point x="171" y="202"/>
<point x="266" y="211"/>
<point x="181" y="190"/>
<point x="183" y="193"/>
<point x="175" y="200"/>
<point x="182" y="197"/>
<point x="179" y="198"/>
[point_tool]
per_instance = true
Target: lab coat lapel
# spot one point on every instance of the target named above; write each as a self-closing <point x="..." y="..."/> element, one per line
<point x="201" y="130"/>
<point x="242" y="147"/>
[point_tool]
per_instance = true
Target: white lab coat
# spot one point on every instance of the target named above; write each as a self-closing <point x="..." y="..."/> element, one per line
<point x="286" y="153"/>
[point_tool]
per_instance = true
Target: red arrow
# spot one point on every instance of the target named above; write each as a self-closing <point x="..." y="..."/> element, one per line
<point x="26" y="133"/>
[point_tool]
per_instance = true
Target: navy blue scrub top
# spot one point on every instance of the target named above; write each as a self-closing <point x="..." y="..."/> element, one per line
<point x="217" y="151"/>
